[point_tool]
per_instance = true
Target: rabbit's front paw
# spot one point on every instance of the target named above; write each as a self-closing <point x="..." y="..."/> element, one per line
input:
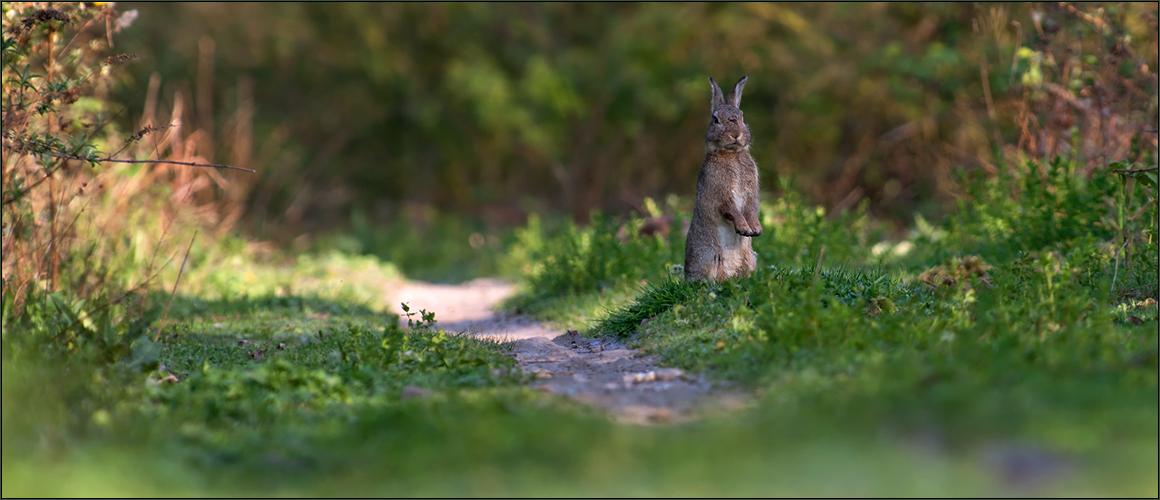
<point x="742" y="227"/>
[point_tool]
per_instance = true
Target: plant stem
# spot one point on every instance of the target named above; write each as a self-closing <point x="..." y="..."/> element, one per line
<point x="174" y="291"/>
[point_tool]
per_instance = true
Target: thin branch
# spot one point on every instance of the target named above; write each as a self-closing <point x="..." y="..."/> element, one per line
<point x="38" y="182"/>
<point x="172" y="162"/>
<point x="153" y="258"/>
<point x="174" y="291"/>
<point x="1099" y="23"/>
<point x="51" y="171"/>
<point x="1135" y="170"/>
<point x="76" y="35"/>
<point x="114" y="160"/>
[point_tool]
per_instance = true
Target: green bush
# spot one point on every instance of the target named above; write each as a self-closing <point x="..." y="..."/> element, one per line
<point x="1106" y="225"/>
<point x="61" y="290"/>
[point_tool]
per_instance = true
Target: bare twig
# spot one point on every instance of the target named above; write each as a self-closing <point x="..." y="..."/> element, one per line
<point x="115" y="160"/>
<point x="53" y="170"/>
<point x="77" y="34"/>
<point x="1099" y="23"/>
<point x="164" y="231"/>
<point x="171" y="162"/>
<point x="53" y="245"/>
<point x="174" y="291"/>
<point x="1153" y="168"/>
<point x="1018" y="45"/>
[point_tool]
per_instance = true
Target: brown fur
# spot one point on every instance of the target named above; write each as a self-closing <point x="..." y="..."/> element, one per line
<point x="719" y="244"/>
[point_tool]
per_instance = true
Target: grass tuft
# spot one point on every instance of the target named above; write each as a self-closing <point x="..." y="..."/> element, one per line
<point x="654" y="299"/>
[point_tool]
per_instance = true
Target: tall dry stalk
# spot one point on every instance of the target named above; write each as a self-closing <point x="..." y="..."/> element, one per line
<point x="77" y="219"/>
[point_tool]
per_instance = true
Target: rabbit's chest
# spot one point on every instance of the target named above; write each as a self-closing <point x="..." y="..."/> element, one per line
<point x="738" y="196"/>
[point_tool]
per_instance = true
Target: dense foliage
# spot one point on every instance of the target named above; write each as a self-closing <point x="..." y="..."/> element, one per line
<point x="497" y="110"/>
<point x="1107" y="224"/>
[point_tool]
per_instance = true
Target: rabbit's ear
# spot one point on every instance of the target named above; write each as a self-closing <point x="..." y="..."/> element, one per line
<point x="718" y="100"/>
<point x="734" y="97"/>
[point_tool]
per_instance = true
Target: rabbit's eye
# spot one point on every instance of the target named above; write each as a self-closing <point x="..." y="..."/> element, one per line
<point x="715" y="120"/>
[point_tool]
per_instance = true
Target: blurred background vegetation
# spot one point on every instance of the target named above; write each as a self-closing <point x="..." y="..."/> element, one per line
<point x="391" y="121"/>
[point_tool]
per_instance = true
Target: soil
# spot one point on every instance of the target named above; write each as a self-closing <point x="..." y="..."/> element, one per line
<point x="630" y="386"/>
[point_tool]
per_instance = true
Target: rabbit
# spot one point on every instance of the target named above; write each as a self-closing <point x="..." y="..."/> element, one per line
<point x="719" y="245"/>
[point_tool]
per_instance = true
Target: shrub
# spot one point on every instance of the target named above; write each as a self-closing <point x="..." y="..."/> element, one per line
<point x="82" y="239"/>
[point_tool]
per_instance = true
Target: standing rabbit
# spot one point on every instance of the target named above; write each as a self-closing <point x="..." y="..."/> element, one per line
<point x="719" y="245"/>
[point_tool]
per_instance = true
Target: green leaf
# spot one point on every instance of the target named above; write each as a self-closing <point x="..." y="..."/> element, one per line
<point x="64" y="307"/>
<point x="140" y="326"/>
<point x="1149" y="177"/>
<point x="144" y="354"/>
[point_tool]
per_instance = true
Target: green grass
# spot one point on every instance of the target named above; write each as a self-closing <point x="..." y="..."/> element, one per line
<point x="895" y="368"/>
<point x="1013" y="321"/>
<point x="654" y="299"/>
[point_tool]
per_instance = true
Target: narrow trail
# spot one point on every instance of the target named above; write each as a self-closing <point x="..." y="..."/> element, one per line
<point x="632" y="388"/>
<point x="600" y="372"/>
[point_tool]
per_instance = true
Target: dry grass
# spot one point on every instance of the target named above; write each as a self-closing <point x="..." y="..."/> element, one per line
<point x="1076" y="87"/>
<point x="90" y="227"/>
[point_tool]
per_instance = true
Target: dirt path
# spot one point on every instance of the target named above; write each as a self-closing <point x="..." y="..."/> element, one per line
<point x="600" y="372"/>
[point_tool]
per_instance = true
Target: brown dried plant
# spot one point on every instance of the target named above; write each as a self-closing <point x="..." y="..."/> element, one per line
<point x="77" y="219"/>
<point x="1083" y="93"/>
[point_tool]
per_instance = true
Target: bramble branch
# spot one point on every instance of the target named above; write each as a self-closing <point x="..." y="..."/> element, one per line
<point x="21" y="194"/>
<point x="172" y="162"/>
<point x="1134" y="170"/>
